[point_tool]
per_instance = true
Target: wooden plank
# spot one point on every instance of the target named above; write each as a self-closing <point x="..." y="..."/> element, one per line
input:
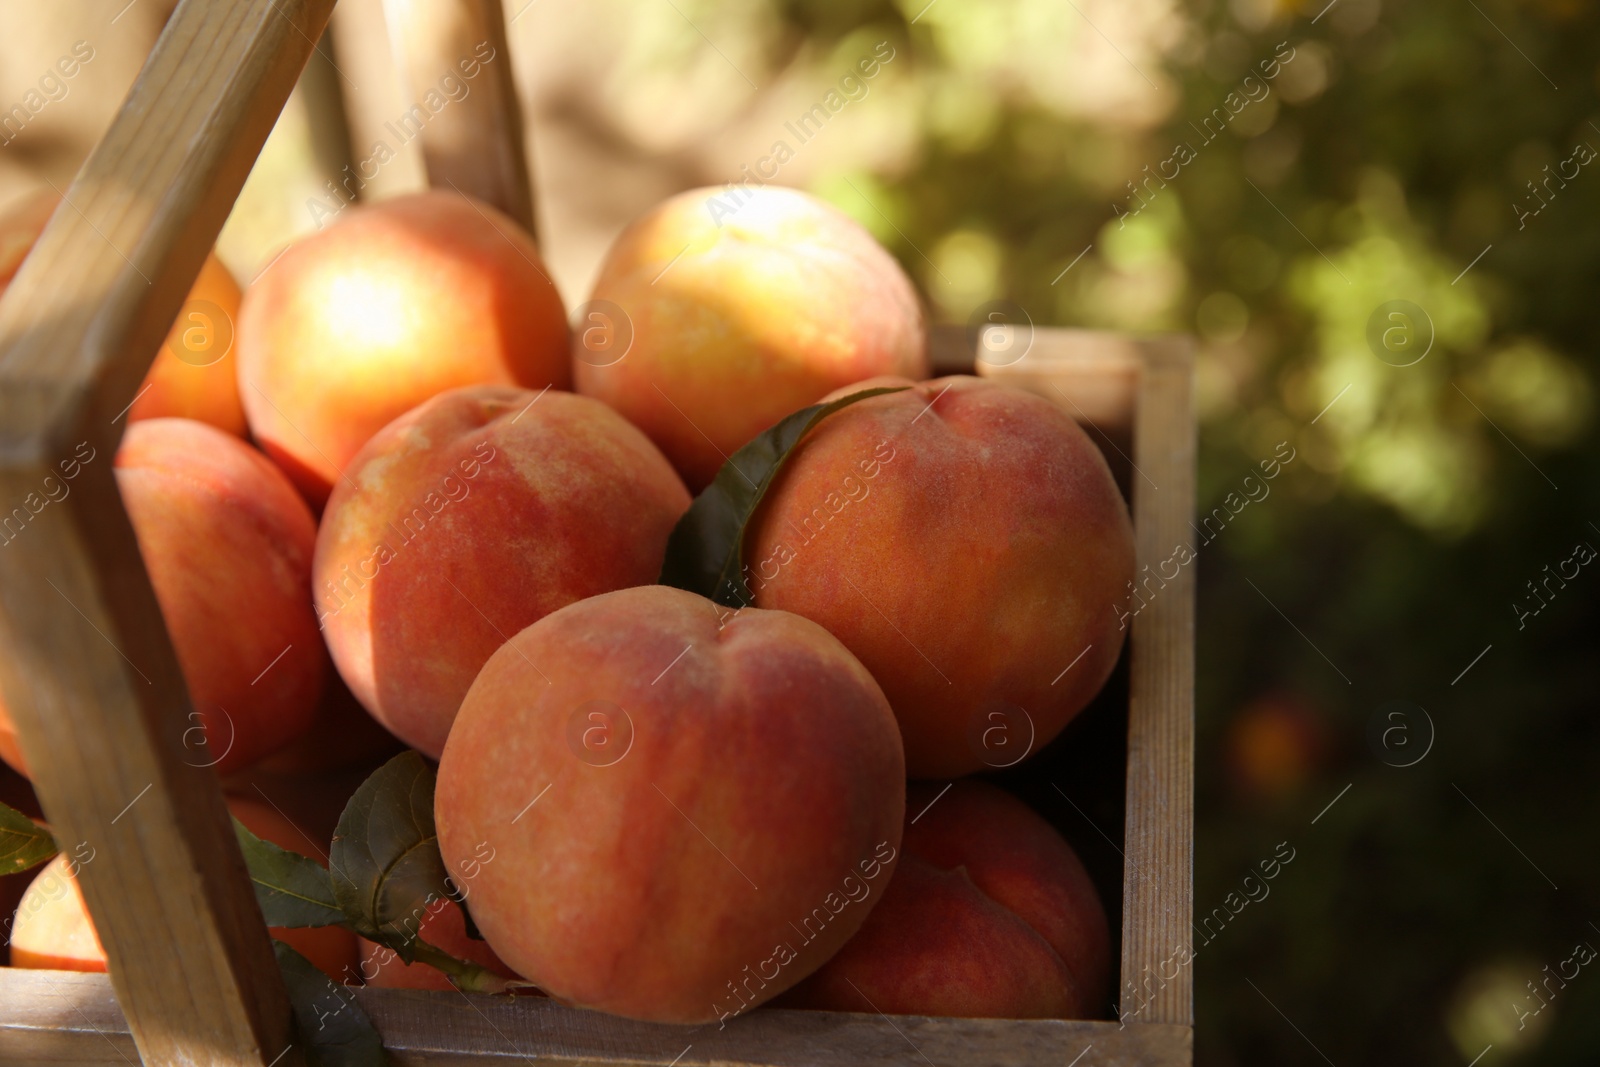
<point x="472" y="142"/>
<point x="385" y="162"/>
<point x="86" y="667"/>
<point x="1158" y="876"/>
<point x="55" y="1017"/>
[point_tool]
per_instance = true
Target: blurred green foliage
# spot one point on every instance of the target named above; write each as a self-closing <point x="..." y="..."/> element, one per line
<point x="1389" y="159"/>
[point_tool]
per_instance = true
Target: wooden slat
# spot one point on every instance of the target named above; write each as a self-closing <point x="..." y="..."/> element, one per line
<point x="1158" y="877"/>
<point x="384" y="162"/>
<point x="55" y="1017"/>
<point x="86" y="667"/>
<point x="473" y="144"/>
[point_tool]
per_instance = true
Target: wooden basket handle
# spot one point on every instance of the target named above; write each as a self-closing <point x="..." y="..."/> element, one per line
<point x="87" y="669"/>
<point x="452" y="101"/>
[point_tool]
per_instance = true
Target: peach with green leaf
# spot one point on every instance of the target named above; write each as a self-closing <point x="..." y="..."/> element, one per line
<point x="967" y="541"/>
<point x="53" y="931"/>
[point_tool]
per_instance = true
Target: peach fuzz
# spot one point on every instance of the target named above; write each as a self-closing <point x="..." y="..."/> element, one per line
<point x="990" y="915"/>
<point x="392" y="304"/>
<point x="464" y="521"/>
<point x="967" y="542"/>
<point x="193" y="374"/>
<point x="743" y="306"/>
<point x="53" y="930"/>
<point x="227" y="543"/>
<point x="686" y="819"/>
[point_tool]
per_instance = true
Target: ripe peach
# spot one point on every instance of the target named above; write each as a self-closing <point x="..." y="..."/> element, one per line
<point x="990" y="915"/>
<point x="737" y="309"/>
<point x="967" y="542"/>
<point x="442" y="927"/>
<point x="392" y="304"/>
<point x="466" y="520"/>
<point x="228" y="543"/>
<point x="684" y="820"/>
<point x="193" y="374"/>
<point x="53" y="931"/>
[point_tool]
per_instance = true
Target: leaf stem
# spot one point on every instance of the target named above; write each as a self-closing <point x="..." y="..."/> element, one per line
<point x="467" y="976"/>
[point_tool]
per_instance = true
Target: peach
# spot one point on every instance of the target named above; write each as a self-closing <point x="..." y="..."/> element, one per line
<point x="392" y="304"/>
<point x="53" y="931"/>
<point x="684" y="818"/>
<point x="227" y="543"/>
<point x="442" y="927"/>
<point x="737" y="308"/>
<point x="464" y="521"/>
<point x="989" y="915"/>
<point x="193" y="375"/>
<point x="967" y="542"/>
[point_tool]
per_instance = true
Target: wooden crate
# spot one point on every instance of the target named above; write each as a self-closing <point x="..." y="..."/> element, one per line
<point x="193" y="978"/>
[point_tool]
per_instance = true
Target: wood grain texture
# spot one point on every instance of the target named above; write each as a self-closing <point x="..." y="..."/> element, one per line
<point x="55" y="1017"/>
<point x="86" y="667"/>
<point x="1158" y="876"/>
<point x="472" y="143"/>
<point x="373" y="100"/>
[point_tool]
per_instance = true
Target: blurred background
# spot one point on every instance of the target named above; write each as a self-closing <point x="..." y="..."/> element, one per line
<point x="1379" y="219"/>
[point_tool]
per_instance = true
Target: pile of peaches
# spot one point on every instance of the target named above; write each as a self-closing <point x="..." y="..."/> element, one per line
<point x="707" y="603"/>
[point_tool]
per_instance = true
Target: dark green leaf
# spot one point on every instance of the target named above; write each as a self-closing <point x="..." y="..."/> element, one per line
<point x="291" y="889"/>
<point x="329" y="1024"/>
<point x="705" y="553"/>
<point x="23" y="842"/>
<point x="387" y="871"/>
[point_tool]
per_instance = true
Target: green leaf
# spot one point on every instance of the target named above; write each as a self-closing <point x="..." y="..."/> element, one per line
<point x="331" y="1027"/>
<point x="291" y="889"/>
<point x="387" y="871"/>
<point x="23" y="842"/>
<point x="705" y="553"/>
<point x="388" y="874"/>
